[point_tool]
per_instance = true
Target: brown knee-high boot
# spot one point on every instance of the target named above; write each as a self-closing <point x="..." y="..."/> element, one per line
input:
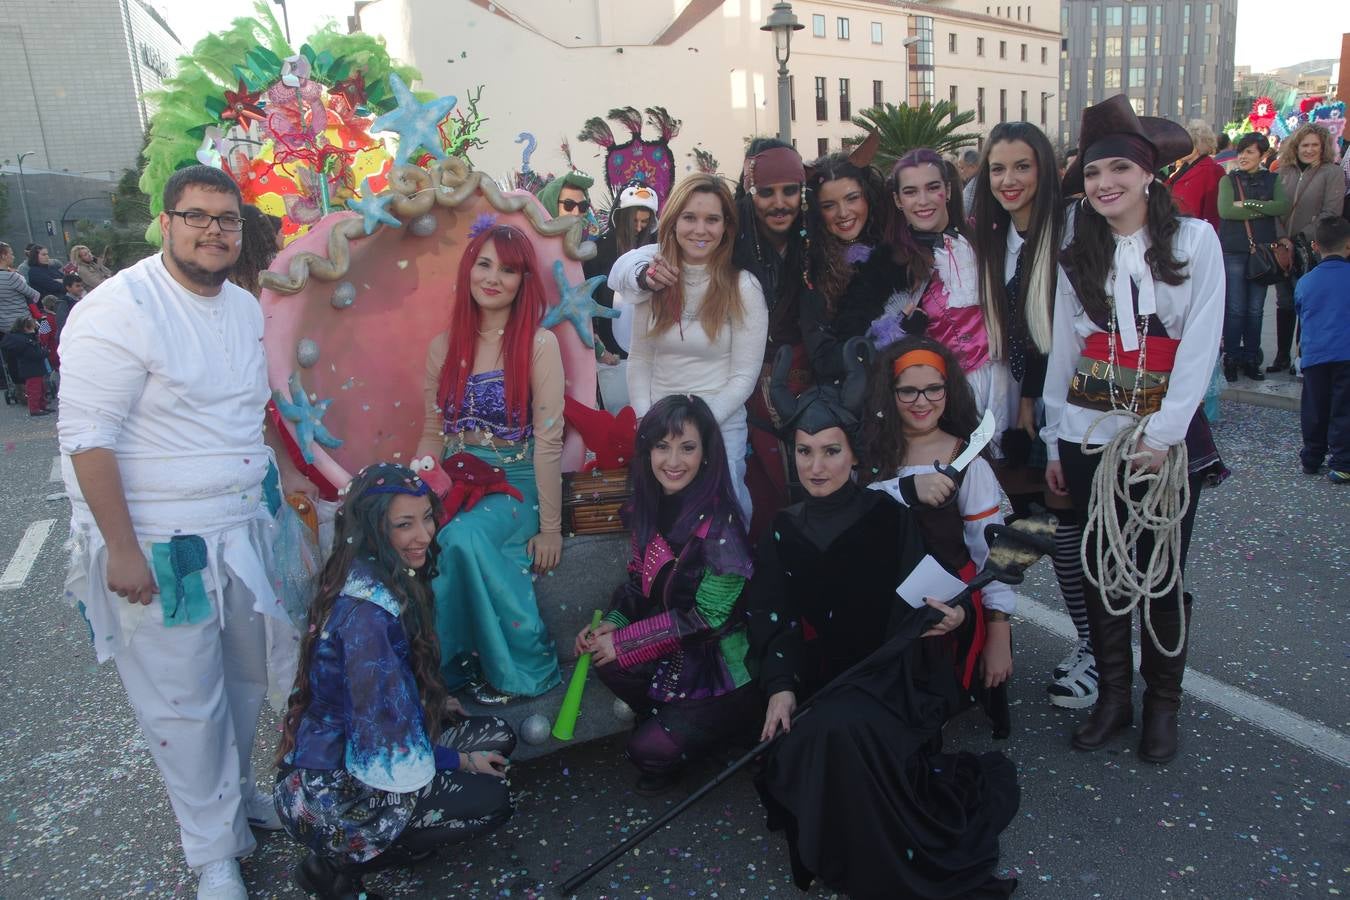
<point x="1114" y="710"/>
<point x="1162" y="680"/>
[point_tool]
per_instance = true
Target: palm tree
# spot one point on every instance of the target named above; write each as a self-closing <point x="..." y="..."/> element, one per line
<point x="903" y="128"/>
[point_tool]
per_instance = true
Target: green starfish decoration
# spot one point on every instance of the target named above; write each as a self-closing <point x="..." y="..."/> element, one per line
<point x="577" y="305"/>
<point x="307" y="417"/>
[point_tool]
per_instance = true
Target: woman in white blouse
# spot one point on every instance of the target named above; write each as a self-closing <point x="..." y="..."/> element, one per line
<point x="699" y="323"/>
<point x="1137" y="319"/>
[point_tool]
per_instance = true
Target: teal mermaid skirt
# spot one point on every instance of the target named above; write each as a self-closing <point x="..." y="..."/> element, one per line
<point x="487" y="619"/>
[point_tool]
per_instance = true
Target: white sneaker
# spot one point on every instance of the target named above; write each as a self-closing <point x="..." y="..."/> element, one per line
<point x="261" y="811"/>
<point x="1070" y="662"/>
<point x="1077" y="689"/>
<point x="220" y="880"/>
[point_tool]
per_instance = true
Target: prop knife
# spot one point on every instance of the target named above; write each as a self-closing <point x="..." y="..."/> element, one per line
<point x="979" y="439"/>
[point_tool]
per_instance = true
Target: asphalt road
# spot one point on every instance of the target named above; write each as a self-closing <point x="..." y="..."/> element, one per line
<point x="1256" y="806"/>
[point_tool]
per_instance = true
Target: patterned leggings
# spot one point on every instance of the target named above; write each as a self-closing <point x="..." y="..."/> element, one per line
<point x="459" y="805"/>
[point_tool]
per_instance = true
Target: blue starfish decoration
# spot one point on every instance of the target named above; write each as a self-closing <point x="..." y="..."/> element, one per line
<point x="577" y="305"/>
<point x="417" y="124"/>
<point x="374" y="208"/>
<point x="308" y="418"/>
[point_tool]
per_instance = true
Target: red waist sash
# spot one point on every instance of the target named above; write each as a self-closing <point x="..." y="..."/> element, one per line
<point x="1161" y="353"/>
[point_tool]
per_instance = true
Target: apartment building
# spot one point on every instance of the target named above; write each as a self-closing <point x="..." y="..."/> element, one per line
<point x="1172" y="58"/>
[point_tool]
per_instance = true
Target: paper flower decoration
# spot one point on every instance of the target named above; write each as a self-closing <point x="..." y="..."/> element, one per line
<point x="242" y="105"/>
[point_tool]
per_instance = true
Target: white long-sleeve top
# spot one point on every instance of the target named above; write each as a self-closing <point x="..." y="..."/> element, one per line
<point x="979" y="499"/>
<point x="1191" y="312"/>
<point x="684" y="360"/>
<point x="175" y="385"/>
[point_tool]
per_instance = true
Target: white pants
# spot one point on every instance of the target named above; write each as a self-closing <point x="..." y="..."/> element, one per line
<point x="734" y="436"/>
<point x="197" y="690"/>
<point x="995" y="391"/>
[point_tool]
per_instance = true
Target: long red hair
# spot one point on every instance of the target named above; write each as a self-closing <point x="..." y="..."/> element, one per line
<point x="514" y="250"/>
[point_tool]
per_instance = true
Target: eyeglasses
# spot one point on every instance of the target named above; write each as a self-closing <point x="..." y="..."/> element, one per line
<point x="197" y="219"/>
<point x="578" y="205"/>
<point x="933" y="393"/>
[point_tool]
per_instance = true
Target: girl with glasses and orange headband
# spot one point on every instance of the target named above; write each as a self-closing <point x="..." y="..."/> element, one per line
<point x="925" y="409"/>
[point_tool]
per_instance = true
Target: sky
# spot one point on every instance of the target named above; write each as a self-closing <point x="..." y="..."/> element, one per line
<point x="1270" y="33"/>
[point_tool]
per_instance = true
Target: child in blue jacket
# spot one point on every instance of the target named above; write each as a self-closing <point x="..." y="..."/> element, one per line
<point x="1322" y="298"/>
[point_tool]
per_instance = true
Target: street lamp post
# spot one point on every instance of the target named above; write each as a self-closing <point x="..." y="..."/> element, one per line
<point x="23" y="195"/>
<point x="781" y="23"/>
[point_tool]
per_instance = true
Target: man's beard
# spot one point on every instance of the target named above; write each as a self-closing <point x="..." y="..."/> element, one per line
<point x="199" y="274"/>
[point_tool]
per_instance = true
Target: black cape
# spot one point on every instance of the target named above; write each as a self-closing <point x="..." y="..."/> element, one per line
<point x="868" y="804"/>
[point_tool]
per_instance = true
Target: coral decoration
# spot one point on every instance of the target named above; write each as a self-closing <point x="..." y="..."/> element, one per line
<point x="1263" y="113"/>
<point x="1308" y="104"/>
<point x="609" y="437"/>
<point x="472" y="479"/>
<point x="291" y="126"/>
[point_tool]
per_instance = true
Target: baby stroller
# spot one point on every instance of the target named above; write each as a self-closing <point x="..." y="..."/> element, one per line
<point x="13" y="390"/>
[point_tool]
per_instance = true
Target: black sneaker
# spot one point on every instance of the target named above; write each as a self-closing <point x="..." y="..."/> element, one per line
<point x="1279" y="365"/>
<point x="1310" y="469"/>
<point x="649" y="785"/>
<point x="1230" y="370"/>
<point x="1253" y="371"/>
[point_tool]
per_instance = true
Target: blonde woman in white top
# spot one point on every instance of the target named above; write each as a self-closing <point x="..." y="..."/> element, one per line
<point x="699" y="323"/>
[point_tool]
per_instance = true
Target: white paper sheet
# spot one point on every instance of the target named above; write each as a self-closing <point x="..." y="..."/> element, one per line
<point x="929" y="579"/>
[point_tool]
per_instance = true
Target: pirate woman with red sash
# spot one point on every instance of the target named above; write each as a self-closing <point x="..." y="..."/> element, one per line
<point x="926" y="409"/>
<point x="1138" y="316"/>
<point x="869" y="803"/>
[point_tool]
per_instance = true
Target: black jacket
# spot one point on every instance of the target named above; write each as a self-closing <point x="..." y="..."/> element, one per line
<point x="25" y="354"/>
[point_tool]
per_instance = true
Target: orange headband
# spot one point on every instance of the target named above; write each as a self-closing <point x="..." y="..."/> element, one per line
<point x="919" y="358"/>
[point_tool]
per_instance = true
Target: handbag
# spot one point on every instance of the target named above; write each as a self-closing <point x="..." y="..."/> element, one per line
<point x="1263" y="266"/>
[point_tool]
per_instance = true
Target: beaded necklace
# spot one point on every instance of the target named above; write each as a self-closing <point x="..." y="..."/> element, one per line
<point x="1113" y="364"/>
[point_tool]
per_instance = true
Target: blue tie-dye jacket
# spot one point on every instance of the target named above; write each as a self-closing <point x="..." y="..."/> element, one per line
<point x="364" y="714"/>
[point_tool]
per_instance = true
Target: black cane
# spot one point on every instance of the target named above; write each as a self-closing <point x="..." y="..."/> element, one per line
<point x="1037" y="545"/>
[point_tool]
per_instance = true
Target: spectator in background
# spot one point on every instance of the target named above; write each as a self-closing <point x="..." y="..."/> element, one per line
<point x="28" y="362"/>
<point x="1195" y="183"/>
<point x="1225" y="153"/>
<point x="1322" y="299"/>
<point x="89" y="267"/>
<point x="968" y="166"/>
<point x="43" y="277"/>
<point x="73" y="294"/>
<point x="23" y="263"/>
<point x="1251" y="202"/>
<point x="1315" y="187"/>
<point x="15" y="292"/>
<point x="257" y="250"/>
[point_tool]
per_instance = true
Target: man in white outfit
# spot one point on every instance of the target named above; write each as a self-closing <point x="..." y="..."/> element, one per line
<point x="162" y="394"/>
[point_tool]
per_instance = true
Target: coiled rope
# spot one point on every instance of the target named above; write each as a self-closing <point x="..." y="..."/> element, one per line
<point x="1112" y="540"/>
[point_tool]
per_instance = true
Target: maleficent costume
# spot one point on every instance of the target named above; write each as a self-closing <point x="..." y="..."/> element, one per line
<point x="868" y="803"/>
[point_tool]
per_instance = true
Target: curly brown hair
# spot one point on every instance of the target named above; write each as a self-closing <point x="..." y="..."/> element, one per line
<point x="884" y="443"/>
<point x="361" y="529"/>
